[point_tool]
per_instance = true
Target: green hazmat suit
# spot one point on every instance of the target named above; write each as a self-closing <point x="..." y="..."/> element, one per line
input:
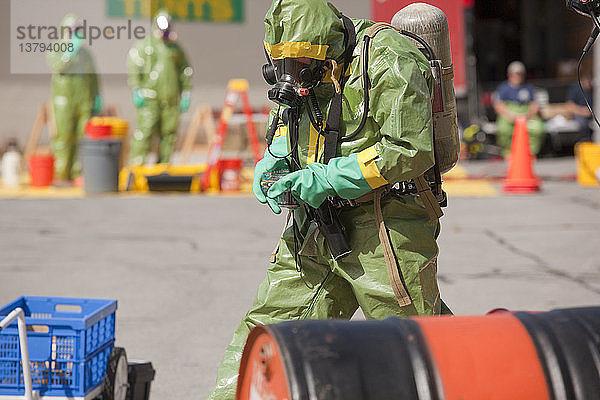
<point x="535" y="129"/>
<point x="394" y="145"/>
<point x="75" y="97"/>
<point x="161" y="78"/>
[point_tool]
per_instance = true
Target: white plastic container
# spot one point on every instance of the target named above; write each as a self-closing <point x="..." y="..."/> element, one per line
<point x="11" y="166"/>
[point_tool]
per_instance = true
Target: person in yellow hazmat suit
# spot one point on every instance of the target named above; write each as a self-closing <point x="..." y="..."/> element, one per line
<point x="387" y="268"/>
<point x="160" y="78"/>
<point x="75" y="97"/>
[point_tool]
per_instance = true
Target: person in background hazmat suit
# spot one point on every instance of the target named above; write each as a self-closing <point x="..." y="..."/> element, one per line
<point x="515" y="98"/>
<point x="75" y="97"/>
<point x="395" y="145"/>
<point x="161" y="78"/>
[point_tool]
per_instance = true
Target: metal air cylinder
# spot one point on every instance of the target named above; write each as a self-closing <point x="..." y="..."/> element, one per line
<point x="431" y="24"/>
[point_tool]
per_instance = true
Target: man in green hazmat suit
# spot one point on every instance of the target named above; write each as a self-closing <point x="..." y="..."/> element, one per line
<point x="160" y="78"/>
<point x="393" y="144"/>
<point x="75" y="96"/>
<point x="514" y="98"/>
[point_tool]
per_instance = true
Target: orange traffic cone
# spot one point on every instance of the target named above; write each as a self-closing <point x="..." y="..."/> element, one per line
<point x="520" y="177"/>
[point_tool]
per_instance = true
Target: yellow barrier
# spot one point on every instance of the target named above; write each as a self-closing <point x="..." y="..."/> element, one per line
<point x="587" y="156"/>
<point x="136" y="178"/>
<point x="119" y="126"/>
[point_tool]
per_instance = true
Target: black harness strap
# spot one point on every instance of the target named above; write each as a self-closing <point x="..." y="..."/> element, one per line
<point x="332" y="128"/>
<point x="349" y="45"/>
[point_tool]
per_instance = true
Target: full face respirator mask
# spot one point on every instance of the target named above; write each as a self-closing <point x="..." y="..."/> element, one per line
<point x="292" y="78"/>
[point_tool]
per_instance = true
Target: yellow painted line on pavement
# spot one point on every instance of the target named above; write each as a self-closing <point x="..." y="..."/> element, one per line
<point x="457" y="183"/>
<point x="470" y="188"/>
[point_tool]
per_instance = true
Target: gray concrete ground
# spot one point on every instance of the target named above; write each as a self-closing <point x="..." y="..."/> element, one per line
<point x="185" y="268"/>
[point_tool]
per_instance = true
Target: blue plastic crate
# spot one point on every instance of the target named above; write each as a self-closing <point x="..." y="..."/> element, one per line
<point x="69" y="340"/>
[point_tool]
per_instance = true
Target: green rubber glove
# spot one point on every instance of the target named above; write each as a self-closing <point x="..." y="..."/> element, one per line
<point x="138" y="99"/>
<point x="98" y="101"/>
<point x="267" y="164"/>
<point x="184" y="102"/>
<point x="312" y="185"/>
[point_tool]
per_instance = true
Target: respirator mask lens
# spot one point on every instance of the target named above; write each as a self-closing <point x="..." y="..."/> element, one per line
<point x="289" y="76"/>
<point x="306" y="72"/>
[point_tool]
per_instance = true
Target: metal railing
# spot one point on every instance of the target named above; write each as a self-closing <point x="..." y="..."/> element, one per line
<point x="19" y="315"/>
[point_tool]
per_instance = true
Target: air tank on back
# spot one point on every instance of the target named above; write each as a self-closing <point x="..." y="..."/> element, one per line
<point x="431" y="24"/>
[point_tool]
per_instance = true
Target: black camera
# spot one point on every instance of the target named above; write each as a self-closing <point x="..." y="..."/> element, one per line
<point x="585" y="7"/>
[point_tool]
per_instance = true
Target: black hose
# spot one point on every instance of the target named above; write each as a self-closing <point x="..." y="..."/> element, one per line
<point x="585" y="51"/>
<point x="273" y="129"/>
<point x="367" y="82"/>
<point x="421" y="41"/>
<point x="315" y="106"/>
<point x="366" y="87"/>
<point x="316" y="117"/>
<point x="583" y="91"/>
<point x="313" y="111"/>
<point x="271" y="135"/>
<point x="594" y="17"/>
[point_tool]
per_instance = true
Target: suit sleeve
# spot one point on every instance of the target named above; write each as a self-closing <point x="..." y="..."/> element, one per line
<point x="136" y="64"/>
<point x="186" y="72"/>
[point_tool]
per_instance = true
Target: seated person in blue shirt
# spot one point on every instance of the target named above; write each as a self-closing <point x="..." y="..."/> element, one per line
<point x="513" y="99"/>
<point x="576" y="105"/>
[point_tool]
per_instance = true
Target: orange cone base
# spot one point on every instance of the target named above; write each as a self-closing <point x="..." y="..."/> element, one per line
<point x="520" y="177"/>
<point x="521" y="185"/>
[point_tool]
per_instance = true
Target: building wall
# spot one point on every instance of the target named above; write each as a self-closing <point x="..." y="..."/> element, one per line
<point x="218" y="52"/>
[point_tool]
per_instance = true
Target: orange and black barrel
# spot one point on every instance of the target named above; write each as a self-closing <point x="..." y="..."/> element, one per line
<point x="501" y="356"/>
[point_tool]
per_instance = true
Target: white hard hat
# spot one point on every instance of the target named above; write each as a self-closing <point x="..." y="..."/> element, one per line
<point x="516" y="67"/>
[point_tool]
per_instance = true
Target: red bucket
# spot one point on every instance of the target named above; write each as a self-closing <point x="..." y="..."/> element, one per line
<point x="41" y="170"/>
<point x="229" y="172"/>
<point x="96" y="132"/>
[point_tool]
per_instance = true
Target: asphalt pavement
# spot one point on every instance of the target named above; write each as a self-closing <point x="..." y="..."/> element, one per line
<point x="185" y="268"/>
